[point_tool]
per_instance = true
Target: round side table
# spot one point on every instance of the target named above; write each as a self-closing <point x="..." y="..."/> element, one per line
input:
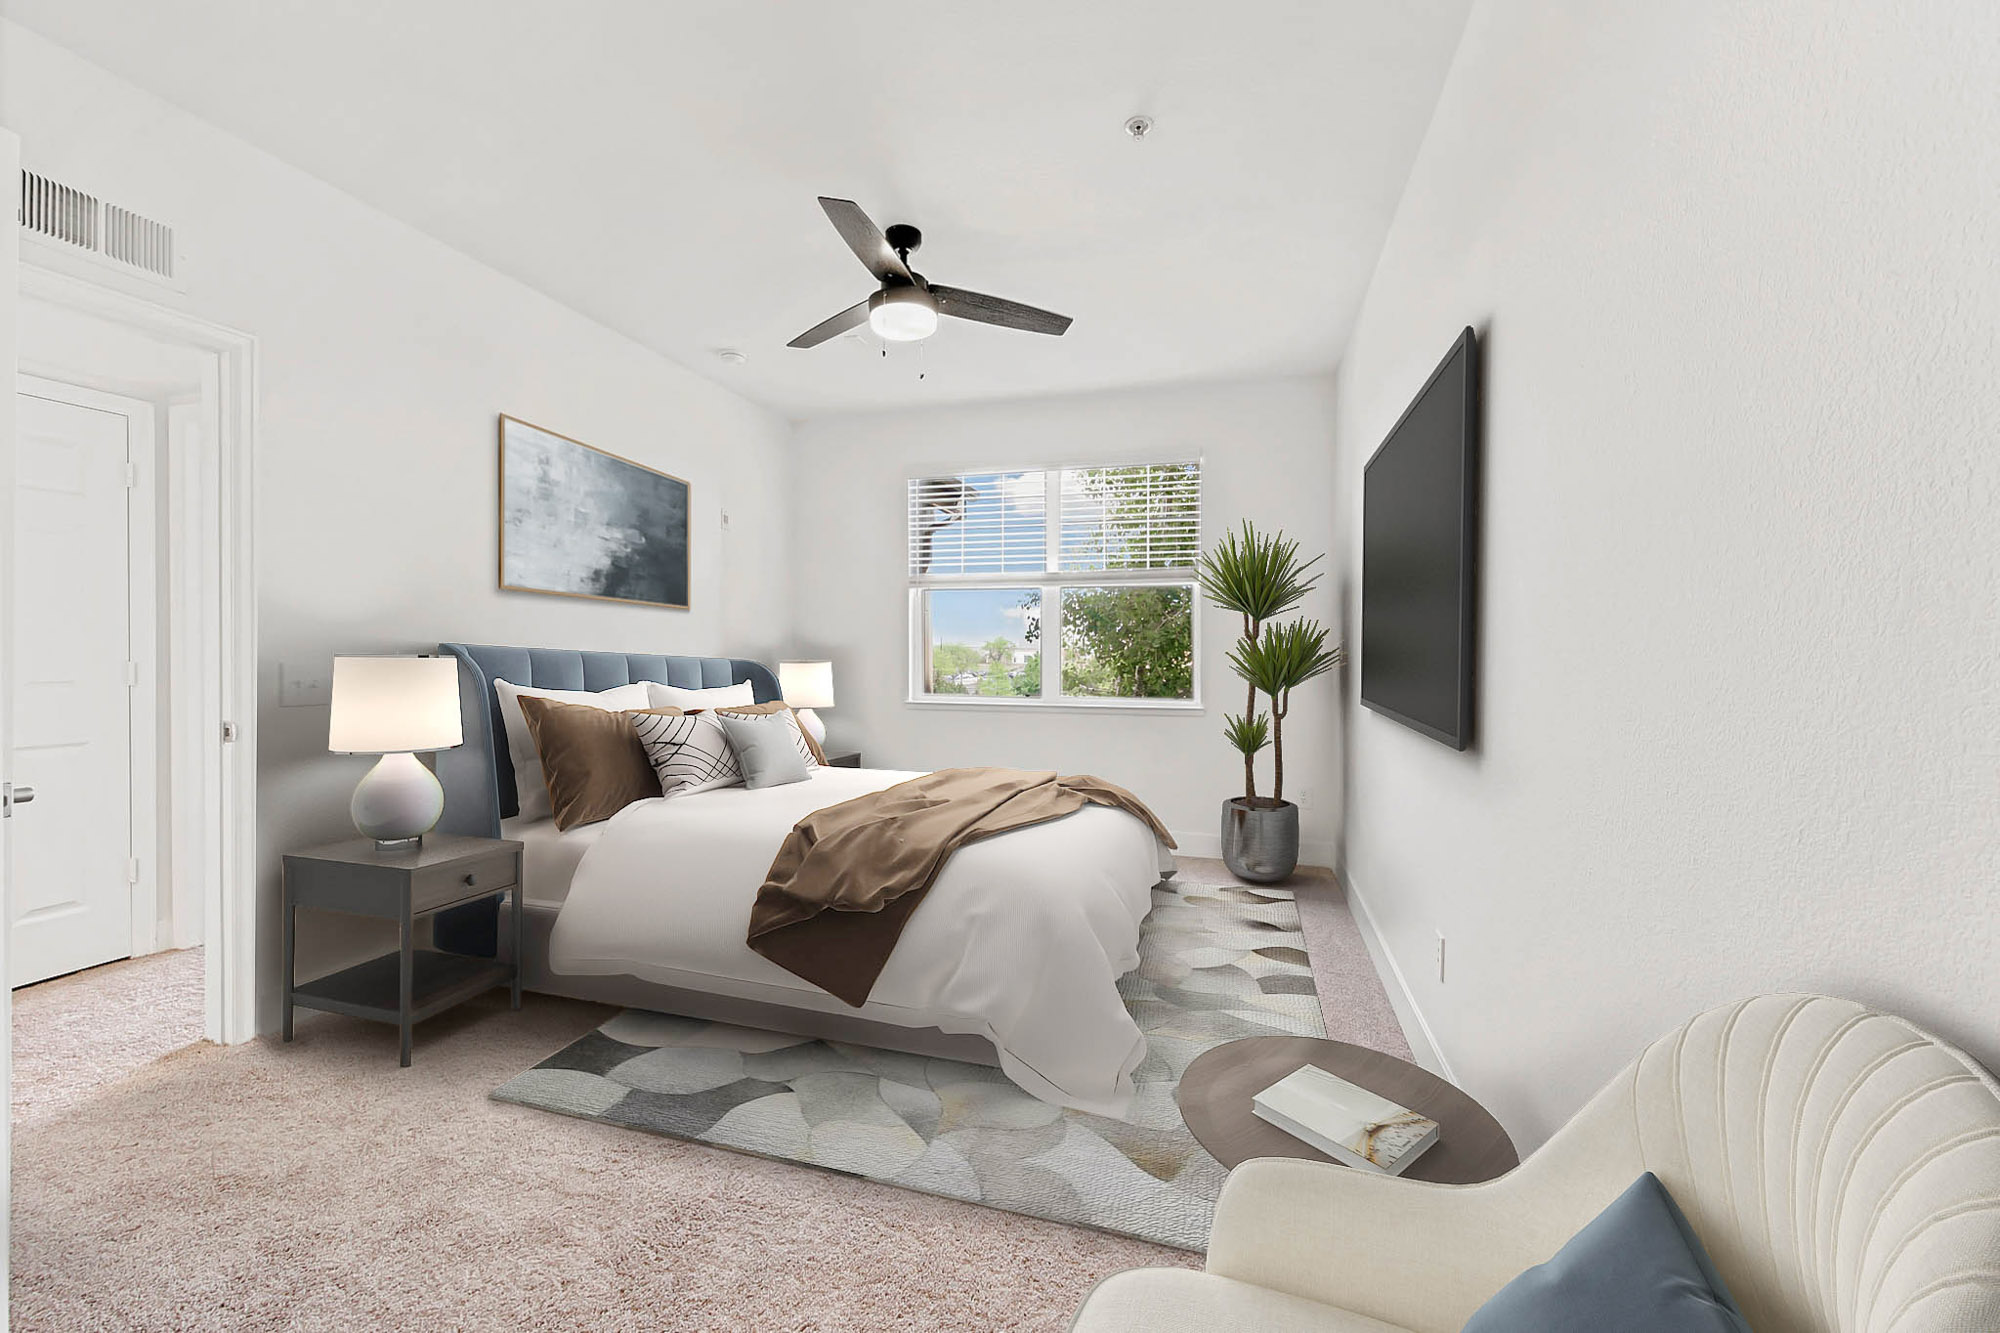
<point x="1215" y="1094"/>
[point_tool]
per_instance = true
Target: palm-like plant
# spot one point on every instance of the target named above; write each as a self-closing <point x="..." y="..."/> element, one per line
<point x="1249" y="734"/>
<point x="1285" y="657"/>
<point x="1260" y="577"/>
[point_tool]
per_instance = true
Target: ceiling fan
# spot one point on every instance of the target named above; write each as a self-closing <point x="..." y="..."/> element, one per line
<point x="907" y="307"/>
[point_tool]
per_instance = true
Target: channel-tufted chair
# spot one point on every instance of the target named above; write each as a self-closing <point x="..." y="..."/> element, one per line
<point x="1841" y="1167"/>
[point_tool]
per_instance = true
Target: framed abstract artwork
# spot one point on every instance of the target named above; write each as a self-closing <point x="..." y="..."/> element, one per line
<point x="579" y="522"/>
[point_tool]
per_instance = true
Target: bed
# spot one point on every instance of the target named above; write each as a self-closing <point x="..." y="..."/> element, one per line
<point x="1012" y="960"/>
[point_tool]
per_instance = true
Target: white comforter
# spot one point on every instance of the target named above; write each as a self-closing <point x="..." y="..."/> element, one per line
<point x="1021" y="940"/>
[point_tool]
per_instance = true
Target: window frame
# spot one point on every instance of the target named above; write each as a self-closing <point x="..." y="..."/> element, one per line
<point x="1049" y="584"/>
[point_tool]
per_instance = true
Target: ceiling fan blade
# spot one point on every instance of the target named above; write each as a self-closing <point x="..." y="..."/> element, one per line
<point x="995" y="310"/>
<point x="852" y="317"/>
<point x="865" y="239"/>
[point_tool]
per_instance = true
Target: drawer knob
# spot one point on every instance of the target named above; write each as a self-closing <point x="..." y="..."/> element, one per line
<point x="471" y="880"/>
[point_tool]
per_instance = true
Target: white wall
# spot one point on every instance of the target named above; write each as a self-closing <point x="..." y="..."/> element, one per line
<point x="1267" y="450"/>
<point x="384" y="360"/>
<point x="1736" y="270"/>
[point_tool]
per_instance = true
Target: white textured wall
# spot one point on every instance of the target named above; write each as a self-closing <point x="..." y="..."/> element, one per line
<point x="385" y="359"/>
<point x="1735" y="266"/>
<point x="1268" y="456"/>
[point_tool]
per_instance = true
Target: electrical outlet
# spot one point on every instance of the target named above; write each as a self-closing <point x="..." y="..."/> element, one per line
<point x="1440" y="955"/>
<point x="302" y="687"/>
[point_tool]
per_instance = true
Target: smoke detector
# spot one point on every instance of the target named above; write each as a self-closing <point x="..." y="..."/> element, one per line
<point x="1138" y="127"/>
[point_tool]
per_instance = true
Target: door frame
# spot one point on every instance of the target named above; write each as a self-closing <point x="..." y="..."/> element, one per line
<point x="142" y="623"/>
<point x="226" y="555"/>
<point x="10" y="250"/>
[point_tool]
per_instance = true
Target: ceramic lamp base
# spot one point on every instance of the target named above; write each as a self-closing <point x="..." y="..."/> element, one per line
<point x="398" y="802"/>
<point x="815" y="727"/>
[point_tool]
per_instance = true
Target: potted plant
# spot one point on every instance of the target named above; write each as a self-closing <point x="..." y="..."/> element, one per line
<point x="1260" y="578"/>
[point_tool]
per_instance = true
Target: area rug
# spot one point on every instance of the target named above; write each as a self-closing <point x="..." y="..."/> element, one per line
<point x="1216" y="964"/>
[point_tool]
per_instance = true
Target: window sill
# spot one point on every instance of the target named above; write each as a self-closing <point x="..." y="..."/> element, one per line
<point x="975" y="701"/>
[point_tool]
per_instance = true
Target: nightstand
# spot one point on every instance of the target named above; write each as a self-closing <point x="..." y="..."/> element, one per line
<point x="848" y="759"/>
<point x="411" y="984"/>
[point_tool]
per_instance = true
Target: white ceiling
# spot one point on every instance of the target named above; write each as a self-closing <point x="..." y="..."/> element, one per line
<point x="655" y="164"/>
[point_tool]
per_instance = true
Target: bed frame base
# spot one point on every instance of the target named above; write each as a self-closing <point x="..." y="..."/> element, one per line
<point x="630" y="992"/>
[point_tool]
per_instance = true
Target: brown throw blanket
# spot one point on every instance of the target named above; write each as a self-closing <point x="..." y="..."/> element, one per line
<point x="848" y="877"/>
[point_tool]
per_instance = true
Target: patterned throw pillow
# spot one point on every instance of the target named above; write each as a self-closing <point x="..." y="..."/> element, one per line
<point x="689" y="751"/>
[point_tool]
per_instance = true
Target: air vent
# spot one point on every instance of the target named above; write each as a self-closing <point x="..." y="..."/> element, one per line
<point x="75" y="217"/>
<point x="53" y="209"/>
<point x="139" y="241"/>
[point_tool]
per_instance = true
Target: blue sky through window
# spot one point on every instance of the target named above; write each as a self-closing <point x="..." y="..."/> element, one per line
<point x="974" y="616"/>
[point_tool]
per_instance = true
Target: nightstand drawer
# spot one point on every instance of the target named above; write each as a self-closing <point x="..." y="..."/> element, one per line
<point x="439" y="886"/>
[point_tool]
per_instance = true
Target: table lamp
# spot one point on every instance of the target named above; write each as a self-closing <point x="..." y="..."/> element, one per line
<point x="394" y="707"/>
<point x="806" y="686"/>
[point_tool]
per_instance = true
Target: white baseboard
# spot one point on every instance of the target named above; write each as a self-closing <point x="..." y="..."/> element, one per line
<point x="1209" y="845"/>
<point x="1423" y="1042"/>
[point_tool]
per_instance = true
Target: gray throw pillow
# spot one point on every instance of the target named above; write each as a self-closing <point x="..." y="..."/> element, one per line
<point x="765" y="748"/>
<point x="1638" y="1268"/>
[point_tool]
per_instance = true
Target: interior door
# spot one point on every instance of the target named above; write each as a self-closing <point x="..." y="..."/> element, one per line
<point x="73" y="669"/>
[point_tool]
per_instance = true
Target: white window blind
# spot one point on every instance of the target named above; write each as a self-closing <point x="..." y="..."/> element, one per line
<point x="1142" y="517"/>
<point x="979" y="523"/>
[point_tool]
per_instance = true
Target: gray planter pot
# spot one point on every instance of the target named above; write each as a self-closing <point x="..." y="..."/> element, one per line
<point x="1260" y="844"/>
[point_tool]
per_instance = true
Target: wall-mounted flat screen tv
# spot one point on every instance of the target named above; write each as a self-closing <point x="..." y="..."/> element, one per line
<point x="1419" y="507"/>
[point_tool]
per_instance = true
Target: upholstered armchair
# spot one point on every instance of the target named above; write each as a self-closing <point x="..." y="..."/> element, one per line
<point x="1841" y="1167"/>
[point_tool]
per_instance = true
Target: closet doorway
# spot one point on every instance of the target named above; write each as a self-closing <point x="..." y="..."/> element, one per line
<point x="131" y="925"/>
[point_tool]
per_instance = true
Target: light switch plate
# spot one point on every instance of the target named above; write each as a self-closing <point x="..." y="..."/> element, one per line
<point x="303" y="687"/>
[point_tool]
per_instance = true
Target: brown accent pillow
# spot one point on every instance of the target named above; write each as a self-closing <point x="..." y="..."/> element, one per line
<point x="780" y="706"/>
<point x="591" y="760"/>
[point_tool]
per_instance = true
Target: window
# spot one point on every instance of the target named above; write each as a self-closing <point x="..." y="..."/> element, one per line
<point x="1056" y="586"/>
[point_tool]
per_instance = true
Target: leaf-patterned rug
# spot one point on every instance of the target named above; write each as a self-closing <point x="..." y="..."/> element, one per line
<point x="1216" y="963"/>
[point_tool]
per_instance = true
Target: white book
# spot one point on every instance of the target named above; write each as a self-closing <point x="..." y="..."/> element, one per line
<point x="1347" y="1123"/>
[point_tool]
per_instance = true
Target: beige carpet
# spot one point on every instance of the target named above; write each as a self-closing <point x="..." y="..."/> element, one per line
<point x="77" y="1033"/>
<point x="1356" y="1006"/>
<point x="317" y="1186"/>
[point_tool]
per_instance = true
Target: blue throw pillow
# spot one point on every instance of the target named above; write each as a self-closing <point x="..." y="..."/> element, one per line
<point x="1638" y="1268"/>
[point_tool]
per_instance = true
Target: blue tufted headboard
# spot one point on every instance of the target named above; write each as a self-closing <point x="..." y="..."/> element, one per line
<point x="478" y="778"/>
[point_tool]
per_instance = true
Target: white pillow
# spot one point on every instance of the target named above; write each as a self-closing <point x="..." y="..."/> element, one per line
<point x="799" y="741"/>
<point x="689" y="752"/>
<point x="767" y="748"/>
<point x="720" y="696"/>
<point x="528" y="781"/>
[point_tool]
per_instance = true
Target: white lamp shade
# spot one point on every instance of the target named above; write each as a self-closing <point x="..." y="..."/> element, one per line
<point x="806" y="684"/>
<point x="393" y="705"/>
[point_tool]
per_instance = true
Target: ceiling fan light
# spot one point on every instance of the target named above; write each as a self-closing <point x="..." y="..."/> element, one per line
<point x="903" y="314"/>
